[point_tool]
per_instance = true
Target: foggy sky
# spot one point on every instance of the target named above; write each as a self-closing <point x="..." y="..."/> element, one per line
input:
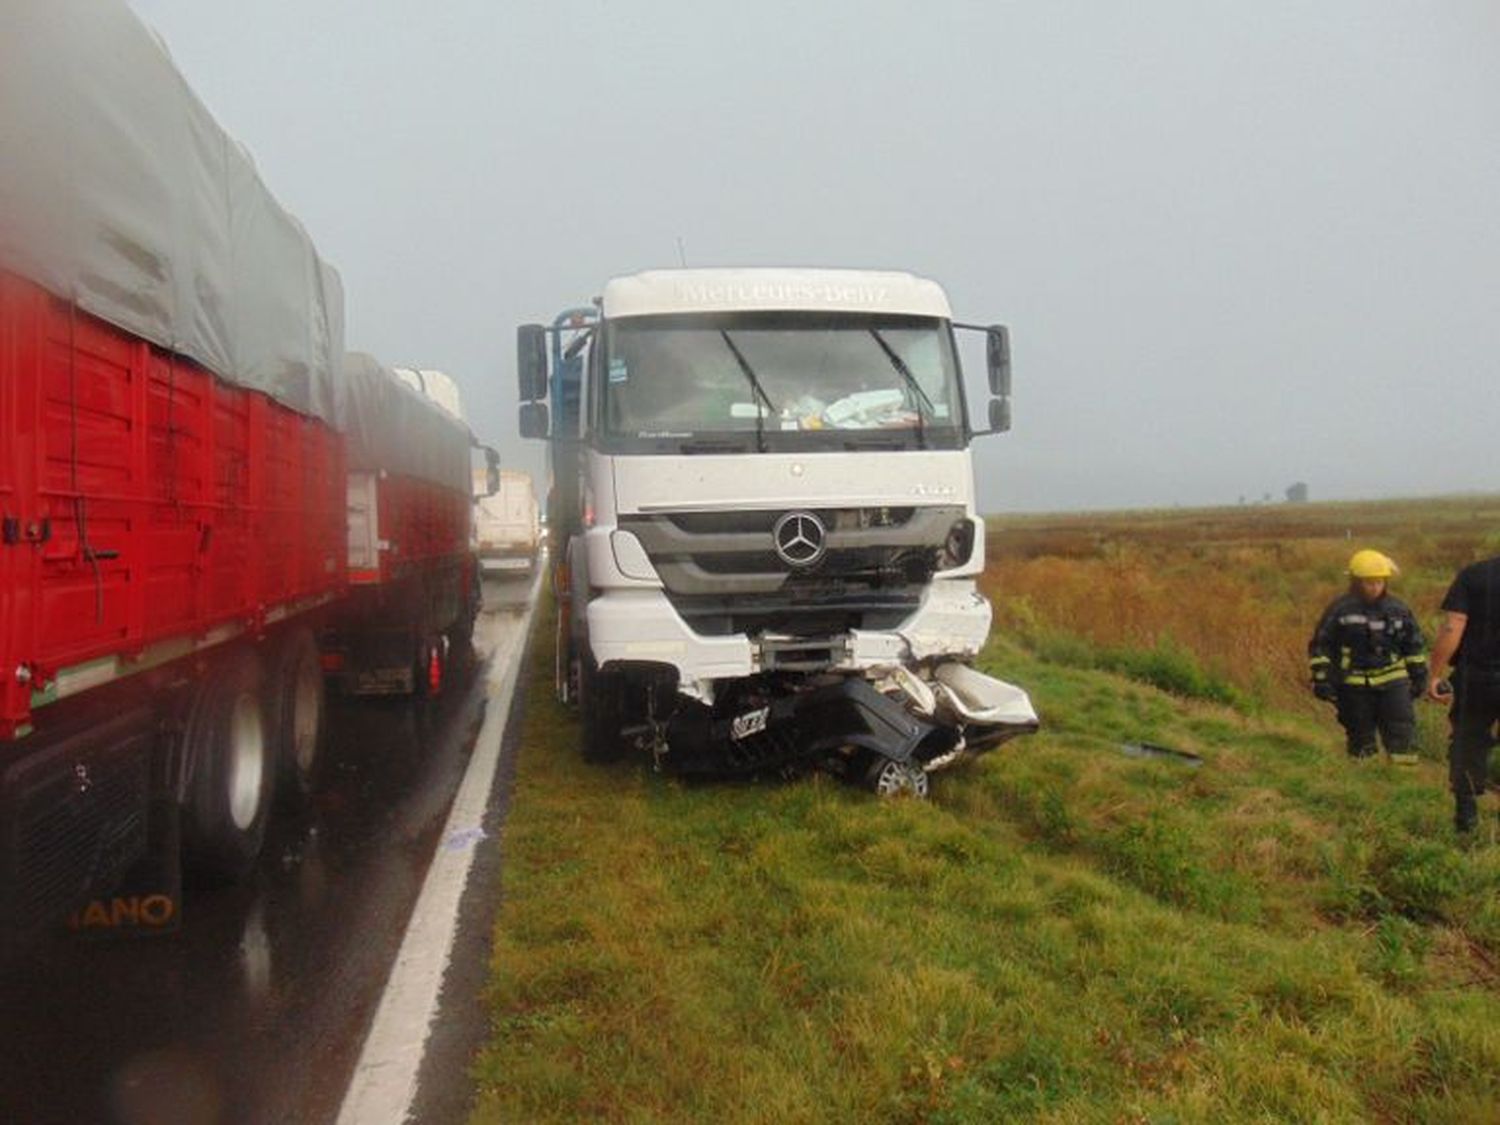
<point x="1238" y="245"/>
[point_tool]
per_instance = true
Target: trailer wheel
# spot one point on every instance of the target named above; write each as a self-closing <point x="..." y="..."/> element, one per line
<point x="295" y="711"/>
<point x="601" y="704"/>
<point x="228" y="798"/>
<point x="461" y="633"/>
<point x="888" y="778"/>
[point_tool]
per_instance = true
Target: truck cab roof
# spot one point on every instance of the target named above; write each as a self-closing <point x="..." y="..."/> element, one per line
<point x="668" y="292"/>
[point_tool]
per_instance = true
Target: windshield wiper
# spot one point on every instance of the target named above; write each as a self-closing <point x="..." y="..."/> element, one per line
<point x="760" y="418"/>
<point x="911" y="381"/>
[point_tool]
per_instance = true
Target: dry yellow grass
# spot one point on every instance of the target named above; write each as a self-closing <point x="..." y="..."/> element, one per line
<point x="1239" y="588"/>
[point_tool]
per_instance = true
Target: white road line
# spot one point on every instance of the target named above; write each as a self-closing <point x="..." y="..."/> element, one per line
<point x="385" y="1078"/>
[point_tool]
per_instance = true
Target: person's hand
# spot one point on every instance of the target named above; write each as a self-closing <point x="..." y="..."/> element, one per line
<point x="1325" y="691"/>
<point x="1439" y="691"/>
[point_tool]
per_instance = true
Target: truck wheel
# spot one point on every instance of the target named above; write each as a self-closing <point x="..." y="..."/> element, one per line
<point x="458" y="651"/>
<point x="461" y="633"/>
<point x="601" y="706"/>
<point x="562" y="667"/>
<point x="568" y="667"/>
<point x="294" y="713"/>
<point x="228" y="799"/>
<point x="888" y="778"/>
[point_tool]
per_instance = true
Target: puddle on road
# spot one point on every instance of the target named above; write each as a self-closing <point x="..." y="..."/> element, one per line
<point x="213" y="1023"/>
<point x="256" y="955"/>
<point x="171" y="1086"/>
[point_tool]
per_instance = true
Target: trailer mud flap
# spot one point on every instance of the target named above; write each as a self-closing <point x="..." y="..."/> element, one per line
<point x="76" y="818"/>
<point x="795" y="730"/>
<point x="147" y="900"/>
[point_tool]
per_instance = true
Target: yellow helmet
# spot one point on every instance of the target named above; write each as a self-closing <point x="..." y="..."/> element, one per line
<point x="1371" y="564"/>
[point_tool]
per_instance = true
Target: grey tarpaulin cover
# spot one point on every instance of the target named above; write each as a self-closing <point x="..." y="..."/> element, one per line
<point x="395" y="428"/>
<point x="118" y="190"/>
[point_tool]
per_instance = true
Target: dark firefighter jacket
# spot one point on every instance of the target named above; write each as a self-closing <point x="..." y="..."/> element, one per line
<point x="1367" y="644"/>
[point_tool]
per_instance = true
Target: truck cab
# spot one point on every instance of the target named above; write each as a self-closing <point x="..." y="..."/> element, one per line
<point x="775" y="496"/>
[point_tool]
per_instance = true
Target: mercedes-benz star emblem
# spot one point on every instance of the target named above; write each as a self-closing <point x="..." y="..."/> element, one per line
<point x="800" y="538"/>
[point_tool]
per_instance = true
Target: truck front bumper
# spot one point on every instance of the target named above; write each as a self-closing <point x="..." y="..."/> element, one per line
<point x="952" y="620"/>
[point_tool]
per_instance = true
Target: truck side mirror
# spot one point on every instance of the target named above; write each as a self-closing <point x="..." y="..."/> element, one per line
<point x="534" y="420"/>
<point x="999" y="415"/>
<point x="491" y="471"/>
<point x="531" y="361"/>
<point x="997" y="351"/>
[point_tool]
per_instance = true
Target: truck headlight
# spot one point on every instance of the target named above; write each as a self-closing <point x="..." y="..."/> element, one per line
<point x="958" y="547"/>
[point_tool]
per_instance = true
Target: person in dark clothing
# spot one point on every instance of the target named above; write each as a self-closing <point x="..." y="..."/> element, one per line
<point x="1469" y="637"/>
<point x="1366" y="656"/>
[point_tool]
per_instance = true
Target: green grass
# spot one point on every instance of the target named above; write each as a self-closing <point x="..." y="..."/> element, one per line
<point x="1062" y="933"/>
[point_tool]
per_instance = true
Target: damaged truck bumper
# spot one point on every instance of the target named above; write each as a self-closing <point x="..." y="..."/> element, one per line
<point x="632" y="626"/>
<point x="886" y="706"/>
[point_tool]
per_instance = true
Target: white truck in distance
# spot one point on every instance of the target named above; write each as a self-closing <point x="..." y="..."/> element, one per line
<point x="763" y="481"/>
<point x="507" y="528"/>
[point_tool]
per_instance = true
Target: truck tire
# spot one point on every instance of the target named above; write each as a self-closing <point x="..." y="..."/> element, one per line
<point x="461" y="633"/>
<point x="295" y="709"/>
<point x="229" y="755"/>
<point x="561" y="667"/>
<point x="566" y="664"/>
<point x="601" y="698"/>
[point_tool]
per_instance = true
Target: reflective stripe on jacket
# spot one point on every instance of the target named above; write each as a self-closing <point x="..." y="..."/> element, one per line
<point x="1366" y="644"/>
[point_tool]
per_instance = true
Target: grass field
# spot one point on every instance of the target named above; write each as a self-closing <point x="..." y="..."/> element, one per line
<point x="1063" y="933"/>
<point x="1227" y="595"/>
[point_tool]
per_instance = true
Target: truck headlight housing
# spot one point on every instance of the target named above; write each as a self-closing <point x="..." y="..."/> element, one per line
<point x="958" y="547"/>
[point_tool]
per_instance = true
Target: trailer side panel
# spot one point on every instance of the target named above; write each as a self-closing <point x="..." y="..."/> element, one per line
<point x="145" y="503"/>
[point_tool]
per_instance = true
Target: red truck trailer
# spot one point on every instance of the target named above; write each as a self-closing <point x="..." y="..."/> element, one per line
<point x="176" y="430"/>
<point x="170" y="545"/>
<point x="413" y="578"/>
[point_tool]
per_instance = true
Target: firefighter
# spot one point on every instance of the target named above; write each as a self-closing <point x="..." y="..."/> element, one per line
<point x="1366" y="657"/>
<point x="1470" y="637"/>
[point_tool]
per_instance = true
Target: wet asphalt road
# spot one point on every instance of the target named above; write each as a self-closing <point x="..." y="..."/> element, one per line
<point x="257" y="1009"/>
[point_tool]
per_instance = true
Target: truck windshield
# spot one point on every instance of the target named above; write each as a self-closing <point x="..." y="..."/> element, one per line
<point x="778" y="380"/>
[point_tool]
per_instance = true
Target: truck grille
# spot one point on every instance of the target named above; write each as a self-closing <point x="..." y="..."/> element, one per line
<point x="827" y="613"/>
<point x="732" y="554"/>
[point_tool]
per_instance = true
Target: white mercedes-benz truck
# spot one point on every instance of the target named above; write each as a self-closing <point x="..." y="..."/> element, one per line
<point x="763" y="503"/>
